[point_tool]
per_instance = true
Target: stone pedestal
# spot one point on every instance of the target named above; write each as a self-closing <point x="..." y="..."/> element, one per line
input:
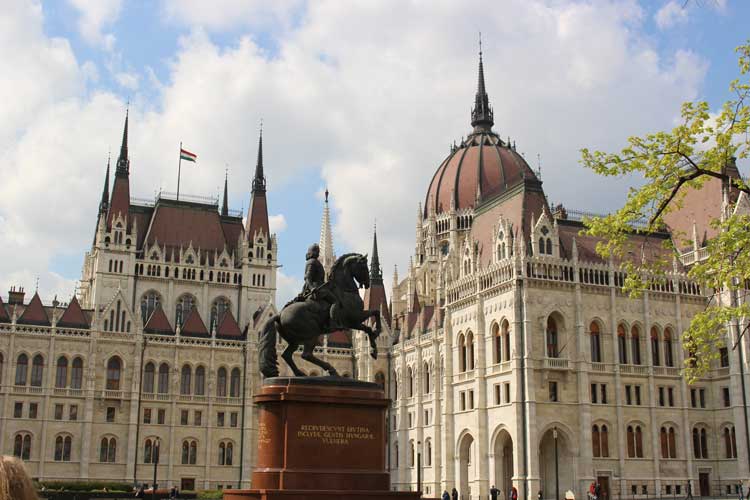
<point x="320" y="437"/>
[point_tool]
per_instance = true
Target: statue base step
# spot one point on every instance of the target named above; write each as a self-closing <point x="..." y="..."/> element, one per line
<point x="318" y="495"/>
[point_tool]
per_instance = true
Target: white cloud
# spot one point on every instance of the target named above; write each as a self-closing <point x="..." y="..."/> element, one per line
<point x="287" y="287"/>
<point x="229" y="14"/>
<point x="371" y="98"/>
<point x="128" y="80"/>
<point x="670" y="14"/>
<point x="277" y="223"/>
<point x="96" y="15"/>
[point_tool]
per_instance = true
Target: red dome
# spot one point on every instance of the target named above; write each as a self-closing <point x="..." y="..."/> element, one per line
<point x="482" y="167"/>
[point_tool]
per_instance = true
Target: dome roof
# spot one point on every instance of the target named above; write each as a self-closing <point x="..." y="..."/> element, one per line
<point x="482" y="167"/>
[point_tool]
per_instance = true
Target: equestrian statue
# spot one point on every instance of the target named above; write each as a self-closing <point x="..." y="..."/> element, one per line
<point x="323" y="307"/>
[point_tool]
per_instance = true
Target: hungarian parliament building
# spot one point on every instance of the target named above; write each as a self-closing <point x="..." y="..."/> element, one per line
<point x="509" y="351"/>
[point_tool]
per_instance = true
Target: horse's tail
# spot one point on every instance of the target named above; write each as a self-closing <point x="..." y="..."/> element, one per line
<point x="269" y="366"/>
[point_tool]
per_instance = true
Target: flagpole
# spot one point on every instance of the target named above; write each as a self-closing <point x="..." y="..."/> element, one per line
<point x="179" y="167"/>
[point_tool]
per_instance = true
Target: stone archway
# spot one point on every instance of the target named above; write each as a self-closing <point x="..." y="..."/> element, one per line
<point x="466" y="465"/>
<point x="565" y="461"/>
<point x="503" y="452"/>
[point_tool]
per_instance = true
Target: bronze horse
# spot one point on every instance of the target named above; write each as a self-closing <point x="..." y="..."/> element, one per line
<point x="302" y="322"/>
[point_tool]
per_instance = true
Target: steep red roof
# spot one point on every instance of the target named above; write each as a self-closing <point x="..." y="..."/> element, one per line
<point x="339" y="338"/>
<point x="228" y="327"/>
<point x="158" y="323"/>
<point x="73" y="317"/>
<point x="176" y="224"/>
<point x="34" y="314"/>
<point x="120" y="201"/>
<point x="257" y="218"/>
<point x="4" y="316"/>
<point x="193" y="325"/>
<point x="375" y="298"/>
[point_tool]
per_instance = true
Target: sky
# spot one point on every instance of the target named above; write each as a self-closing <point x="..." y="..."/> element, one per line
<point x="361" y="97"/>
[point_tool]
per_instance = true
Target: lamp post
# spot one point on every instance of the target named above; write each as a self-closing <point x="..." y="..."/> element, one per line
<point x="156" y="463"/>
<point x="419" y="467"/>
<point x="557" y="468"/>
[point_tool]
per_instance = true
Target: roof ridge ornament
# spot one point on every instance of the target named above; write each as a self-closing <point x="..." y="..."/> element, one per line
<point x="482" y="116"/>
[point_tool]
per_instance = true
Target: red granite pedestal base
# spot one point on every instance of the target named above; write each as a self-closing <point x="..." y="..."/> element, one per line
<point x="320" y="438"/>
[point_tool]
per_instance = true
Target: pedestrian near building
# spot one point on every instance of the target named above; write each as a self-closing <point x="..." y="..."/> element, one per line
<point x="454" y="494"/>
<point x="689" y="491"/>
<point x="446" y="495"/>
<point x="494" y="493"/>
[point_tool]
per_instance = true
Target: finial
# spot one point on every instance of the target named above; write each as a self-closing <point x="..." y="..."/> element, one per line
<point x="326" y="194"/>
<point x="480" y="43"/>
<point x="37" y="285"/>
<point x="261" y="126"/>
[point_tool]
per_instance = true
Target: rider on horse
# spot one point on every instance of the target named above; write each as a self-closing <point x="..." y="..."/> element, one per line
<point x="313" y="288"/>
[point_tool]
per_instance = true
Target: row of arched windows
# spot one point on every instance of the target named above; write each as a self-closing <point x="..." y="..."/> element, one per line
<point x="501" y="342"/>
<point x="23" y="377"/>
<point x="191" y="381"/>
<point x="150" y="302"/>
<point x="64" y="377"/>
<point x="117" y="321"/>
<point x="465" y="352"/>
<point x="72" y="378"/>
<point x="667" y="440"/>
<point x="186" y="274"/>
<point x="634" y="342"/>
<point x="115" y="266"/>
<point x="411" y="379"/>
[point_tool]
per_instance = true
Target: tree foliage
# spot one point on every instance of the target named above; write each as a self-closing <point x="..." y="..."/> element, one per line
<point x="666" y="165"/>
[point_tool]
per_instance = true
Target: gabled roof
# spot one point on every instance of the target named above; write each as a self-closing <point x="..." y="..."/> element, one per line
<point x="73" y="317"/>
<point x="34" y="314"/>
<point x="193" y="325"/>
<point x="375" y="298"/>
<point x="228" y="327"/>
<point x="4" y="316"/>
<point x="158" y="323"/>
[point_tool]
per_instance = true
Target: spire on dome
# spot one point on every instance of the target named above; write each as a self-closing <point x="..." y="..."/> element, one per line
<point x="259" y="181"/>
<point x="482" y="117"/>
<point x="105" y="191"/>
<point x="376" y="273"/>
<point x="327" y="254"/>
<point x="225" y="204"/>
<point x="123" y="163"/>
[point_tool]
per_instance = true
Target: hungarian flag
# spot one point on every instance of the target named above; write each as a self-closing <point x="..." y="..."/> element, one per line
<point x="187" y="155"/>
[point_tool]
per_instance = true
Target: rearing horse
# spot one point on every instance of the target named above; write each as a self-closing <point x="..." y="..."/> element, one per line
<point x="303" y="322"/>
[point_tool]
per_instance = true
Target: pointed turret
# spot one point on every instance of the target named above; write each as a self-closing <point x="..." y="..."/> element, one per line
<point x="482" y="117"/>
<point x="120" y="201"/>
<point x="327" y="253"/>
<point x="376" y="273"/>
<point x="225" y="204"/>
<point x="104" y="203"/>
<point x="257" y="217"/>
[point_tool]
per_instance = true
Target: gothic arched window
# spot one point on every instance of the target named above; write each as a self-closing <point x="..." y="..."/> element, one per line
<point x="184" y="305"/>
<point x="219" y="307"/>
<point x="149" y="302"/>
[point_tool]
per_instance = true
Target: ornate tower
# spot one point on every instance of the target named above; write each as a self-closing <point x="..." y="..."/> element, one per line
<point x="327" y="253"/>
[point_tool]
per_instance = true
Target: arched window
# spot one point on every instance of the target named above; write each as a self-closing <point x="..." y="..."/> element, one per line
<point x="163" y="387"/>
<point x="596" y="441"/>
<point x="221" y="382"/>
<point x="497" y="344"/>
<point x="186" y="377"/>
<point x="149" y="302"/>
<point x="410" y="381"/>
<point x="668" y="354"/>
<point x="2" y="367"/>
<point x="200" y="381"/>
<point x="730" y="442"/>
<point x="635" y="345"/>
<point x="184" y="305"/>
<point x="552" y="341"/>
<point x="22" y="446"/>
<point x="426" y="378"/>
<point x="541" y="246"/>
<point x="234" y="383"/>
<point x="394" y="385"/>
<point x="37" y="371"/>
<point x="108" y="450"/>
<point x="638" y="441"/>
<point x="700" y="442"/>
<point x="76" y="374"/>
<point x="59" y="445"/>
<point x="672" y="443"/>
<point x="604" y="441"/>
<point x="189" y="452"/>
<point x="225" y="453"/>
<point x="506" y="341"/>
<point x="655" y="358"/>
<point x="114" y="371"/>
<point x="61" y="374"/>
<point x="549" y="246"/>
<point x="395" y="454"/>
<point x="151" y="451"/>
<point x="62" y="448"/>
<point x="461" y="353"/>
<point x="148" y="378"/>
<point x="193" y="452"/>
<point x="469" y="351"/>
<point x="218" y="308"/>
<point x="428" y="453"/>
<point x="664" y="441"/>
<point x="380" y="379"/>
<point x="596" y="346"/>
<point x="622" y="345"/>
<point x="411" y="454"/>
<point x="22" y="369"/>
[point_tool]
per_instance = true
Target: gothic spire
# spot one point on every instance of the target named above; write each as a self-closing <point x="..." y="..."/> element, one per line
<point x="105" y="191"/>
<point x="482" y="117"/>
<point x="327" y="254"/>
<point x="259" y="181"/>
<point x="376" y="273"/>
<point x="123" y="162"/>
<point x="225" y="205"/>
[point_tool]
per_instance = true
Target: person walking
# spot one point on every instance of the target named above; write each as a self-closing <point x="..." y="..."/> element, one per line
<point x="689" y="491"/>
<point x="494" y="492"/>
<point x="454" y="494"/>
<point x="597" y="491"/>
<point x="539" y="495"/>
<point x="173" y="493"/>
<point x="141" y="492"/>
<point x="513" y="493"/>
<point x="446" y="495"/>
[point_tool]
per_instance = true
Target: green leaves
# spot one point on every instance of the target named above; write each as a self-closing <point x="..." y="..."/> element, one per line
<point x="667" y="165"/>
